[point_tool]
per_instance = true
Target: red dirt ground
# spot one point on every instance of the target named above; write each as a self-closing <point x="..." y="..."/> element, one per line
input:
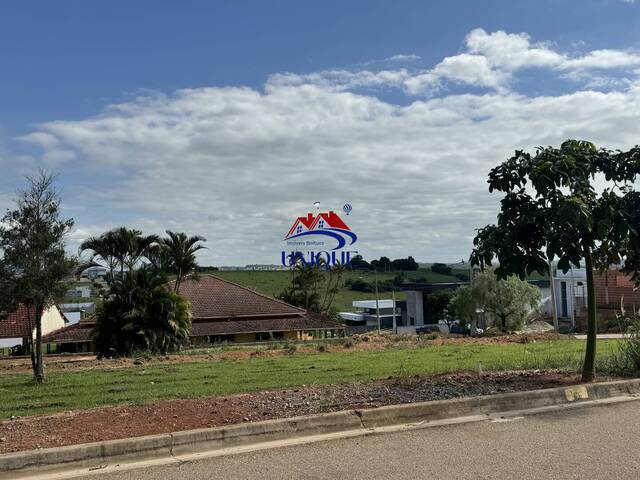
<point x="169" y="416"/>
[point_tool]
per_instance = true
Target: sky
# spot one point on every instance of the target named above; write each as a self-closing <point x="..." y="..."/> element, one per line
<point x="230" y="119"/>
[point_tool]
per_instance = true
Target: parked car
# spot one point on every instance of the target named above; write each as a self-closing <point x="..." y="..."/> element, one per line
<point x="427" y="329"/>
<point x="466" y="330"/>
<point x="18" y="351"/>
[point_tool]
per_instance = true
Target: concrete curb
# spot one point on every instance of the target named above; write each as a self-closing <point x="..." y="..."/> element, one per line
<point x="97" y="455"/>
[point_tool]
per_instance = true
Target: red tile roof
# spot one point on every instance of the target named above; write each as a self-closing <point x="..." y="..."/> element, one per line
<point x="225" y="327"/>
<point x="16" y="324"/>
<point x="211" y="297"/>
<point x="78" y="332"/>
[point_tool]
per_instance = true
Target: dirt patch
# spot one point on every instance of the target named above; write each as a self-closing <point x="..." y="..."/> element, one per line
<point x="169" y="416"/>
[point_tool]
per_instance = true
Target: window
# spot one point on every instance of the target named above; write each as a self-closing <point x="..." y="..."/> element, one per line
<point x="299" y="229"/>
<point x="321" y="224"/>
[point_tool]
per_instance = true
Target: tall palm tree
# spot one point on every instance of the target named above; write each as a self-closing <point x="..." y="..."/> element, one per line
<point x="180" y="252"/>
<point x="120" y="248"/>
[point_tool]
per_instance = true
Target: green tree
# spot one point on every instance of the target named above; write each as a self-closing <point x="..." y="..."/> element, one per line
<point x="179" y="252"/>
<point x="508" y="302"/>
<point x="121" y="249"/>
<point x="142" y="313"/>
<point x="441" y="268"/>
<point x="35" y="263"/>
<point x="551" y="209"/>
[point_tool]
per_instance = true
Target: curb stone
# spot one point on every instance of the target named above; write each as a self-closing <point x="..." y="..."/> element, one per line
<point x="99" y="454"/>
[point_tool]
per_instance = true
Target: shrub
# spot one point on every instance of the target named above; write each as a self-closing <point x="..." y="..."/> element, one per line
<point x="629" y="352"/>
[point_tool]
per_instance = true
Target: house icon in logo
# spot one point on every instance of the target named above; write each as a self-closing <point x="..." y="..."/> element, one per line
<point x="327" y="224"/>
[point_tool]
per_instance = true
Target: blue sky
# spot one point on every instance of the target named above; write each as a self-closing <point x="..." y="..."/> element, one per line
<point x="230" y="118"/>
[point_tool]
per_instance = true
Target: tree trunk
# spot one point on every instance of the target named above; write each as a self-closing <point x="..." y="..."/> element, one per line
<point x="39" y="371"/>
<point x="589" y="367"/>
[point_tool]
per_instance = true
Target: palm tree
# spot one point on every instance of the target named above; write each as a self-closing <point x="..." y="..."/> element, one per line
<point x="121" y="248"/>
<point x="180" y="253"/>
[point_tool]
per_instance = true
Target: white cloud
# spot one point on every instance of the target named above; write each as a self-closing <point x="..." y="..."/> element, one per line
<point x="238" y="164"/>
<point x="491" y="61"/>
<point x="403" y="58"/>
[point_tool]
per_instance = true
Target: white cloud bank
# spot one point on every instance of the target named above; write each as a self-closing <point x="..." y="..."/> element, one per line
<point x="237" y="164"/>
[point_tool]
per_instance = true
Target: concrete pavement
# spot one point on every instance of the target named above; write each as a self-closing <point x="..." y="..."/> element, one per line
<point x="593" y="442"/>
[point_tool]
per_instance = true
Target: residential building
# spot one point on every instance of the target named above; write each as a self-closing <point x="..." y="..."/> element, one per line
<point x="615" y="291"/>
<point x="365" y="318"/>
<point x="17" y="327"/>
<point x="415" y="316"/>
<point x="225" y="312"/>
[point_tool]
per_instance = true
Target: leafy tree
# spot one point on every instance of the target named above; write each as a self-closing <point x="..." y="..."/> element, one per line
<point x="436" y="306"/>
<point x="34" y="263"/>
<point x="384" y="264"/>
<point x="508" y="302"/>
<point x="551" y="209"/>
<point x="408" y="263"/>
<point x="142" y="313"/>
<point x="313" y="286"/>
<point x="358" y="263"/>
<point x="441" y="268"/>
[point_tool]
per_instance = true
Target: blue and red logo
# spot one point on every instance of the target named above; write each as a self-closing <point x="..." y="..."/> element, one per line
<point x="321" y="236"/>
<point x="324" y="226"/>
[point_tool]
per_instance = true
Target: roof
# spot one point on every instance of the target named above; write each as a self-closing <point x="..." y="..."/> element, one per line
<point x="372" y="303"/>
<point x="78" y="332"/>
<point x="306" y="221"/>
<point x="16" y="324"/>
<point x="225" y="327"/>
<point x="212" y="297"/>
<point x="332" y="219"/>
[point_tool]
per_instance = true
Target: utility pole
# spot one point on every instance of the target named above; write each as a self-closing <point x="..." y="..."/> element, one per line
<point x="554" y="309"/>
<point x="375" y="271"/>
<point x="395" y="325"/>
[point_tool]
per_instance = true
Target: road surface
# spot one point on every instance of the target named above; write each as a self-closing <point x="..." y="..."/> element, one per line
<point x="588" y="443"/>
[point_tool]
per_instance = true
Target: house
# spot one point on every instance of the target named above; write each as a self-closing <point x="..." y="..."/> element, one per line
<point x="224" y="312"/>
<point x="18" y="326"/>
<point x="570" y="291"/>
<point x="417" y="293"/>
<point x="615" y="290"/>
<point x="74" y="338"/>
<point x="79" y="292"/>
<point x="365" y="318"/>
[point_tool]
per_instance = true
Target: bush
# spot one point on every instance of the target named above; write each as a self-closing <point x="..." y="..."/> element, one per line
<point x="441" y="268"/>
<point x="629" y="353"/>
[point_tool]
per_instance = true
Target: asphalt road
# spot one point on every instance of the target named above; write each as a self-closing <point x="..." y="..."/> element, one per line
<point x="589" y="443"/>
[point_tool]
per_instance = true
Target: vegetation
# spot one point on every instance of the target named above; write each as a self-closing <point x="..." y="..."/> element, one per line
<point x="142" y="314"/>
<point x="551" y="209"/>
<point x="34" y="262"/>
<point x="436" y="306"/>
<point x="149" y="383"/>
<point x="441" y="268"/>
<point x="141" y="311"/>
<point x="313" y="287"/>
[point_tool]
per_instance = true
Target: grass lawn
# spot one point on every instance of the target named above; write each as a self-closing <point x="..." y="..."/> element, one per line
<point x="93" y="388"/>
<point x="274" y="282"/>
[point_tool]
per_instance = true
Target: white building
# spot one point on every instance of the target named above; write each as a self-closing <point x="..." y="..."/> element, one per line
<point x="571" y="294"/>
<point x="365" y="314"/>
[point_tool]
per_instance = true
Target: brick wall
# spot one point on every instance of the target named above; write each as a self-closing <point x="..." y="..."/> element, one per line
<point x="620" y="289"/>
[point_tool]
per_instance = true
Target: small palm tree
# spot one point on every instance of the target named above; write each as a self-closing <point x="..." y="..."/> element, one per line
<point x="180" y="254"/>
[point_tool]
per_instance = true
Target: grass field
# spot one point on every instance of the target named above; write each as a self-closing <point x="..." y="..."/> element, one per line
<point x="93" y="388"/>
<point x="274" y="282"/>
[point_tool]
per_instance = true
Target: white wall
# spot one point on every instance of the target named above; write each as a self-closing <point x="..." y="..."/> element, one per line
<point x="414" y="307"/>
<point x="52" y="320"/>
